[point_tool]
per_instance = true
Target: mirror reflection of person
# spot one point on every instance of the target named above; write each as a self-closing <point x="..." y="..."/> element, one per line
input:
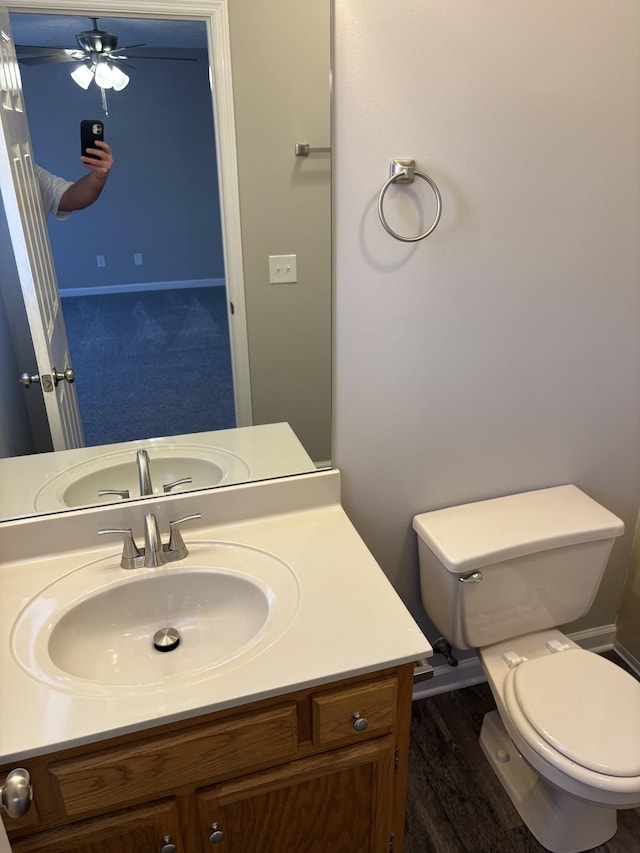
<point x="61" y="197"/>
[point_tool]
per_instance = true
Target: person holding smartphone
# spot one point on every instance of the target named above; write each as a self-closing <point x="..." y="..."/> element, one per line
<point x="61" y="197"/>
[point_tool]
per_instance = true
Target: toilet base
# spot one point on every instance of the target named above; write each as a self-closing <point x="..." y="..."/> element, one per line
<point x="560" y="822"/>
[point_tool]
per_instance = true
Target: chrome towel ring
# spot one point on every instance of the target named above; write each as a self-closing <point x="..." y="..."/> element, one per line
<point x="404" y="172"/>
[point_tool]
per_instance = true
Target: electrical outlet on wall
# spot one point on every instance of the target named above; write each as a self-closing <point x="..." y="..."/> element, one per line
<point x="100" y="261"/>
<point x="283" y="268"/>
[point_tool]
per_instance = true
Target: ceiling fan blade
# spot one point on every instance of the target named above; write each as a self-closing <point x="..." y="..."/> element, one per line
<point x="148" y="56"/>
<point x="32" y="48"/>
<point x="121" y="60"/>
<point x="46" y="59"/>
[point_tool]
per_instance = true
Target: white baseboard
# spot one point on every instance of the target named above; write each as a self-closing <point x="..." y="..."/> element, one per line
<point x="140" y="286"/>
<point x="469" y="671"/>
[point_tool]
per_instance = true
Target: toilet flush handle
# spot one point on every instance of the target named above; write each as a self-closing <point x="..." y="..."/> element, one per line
<point x="476" y="577"/>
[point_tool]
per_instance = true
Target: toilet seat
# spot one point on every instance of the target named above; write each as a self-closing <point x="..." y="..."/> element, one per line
<point x="601" y="748"/>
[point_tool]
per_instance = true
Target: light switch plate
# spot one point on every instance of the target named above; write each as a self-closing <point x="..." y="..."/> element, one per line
<point x="282" y="269"/>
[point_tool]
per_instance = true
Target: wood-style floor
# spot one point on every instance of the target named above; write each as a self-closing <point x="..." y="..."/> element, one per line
<point x="455" y="803"/>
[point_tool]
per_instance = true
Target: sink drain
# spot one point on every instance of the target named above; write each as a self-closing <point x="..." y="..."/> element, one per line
<point x="166" y="640"/>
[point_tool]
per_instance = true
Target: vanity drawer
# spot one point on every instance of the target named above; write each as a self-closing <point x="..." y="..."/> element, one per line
<point x="124" y="775"/>
<point x="333" y="713"/>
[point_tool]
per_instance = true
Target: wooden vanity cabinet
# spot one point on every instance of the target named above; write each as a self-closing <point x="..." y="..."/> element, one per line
<point x="316" y="770"/>
<point x="135" y="831"/>
<point x="338" y="801"/>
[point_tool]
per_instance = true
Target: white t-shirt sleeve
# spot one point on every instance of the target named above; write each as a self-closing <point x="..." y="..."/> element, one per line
<point x="52" y="188"/>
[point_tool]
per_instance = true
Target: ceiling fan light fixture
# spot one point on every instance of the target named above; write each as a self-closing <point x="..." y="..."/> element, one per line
<point x="82" y="75"/>
<point x="104" y="75"/>
<point x="120" y="79"/>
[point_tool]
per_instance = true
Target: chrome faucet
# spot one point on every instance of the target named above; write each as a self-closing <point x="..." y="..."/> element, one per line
<point x="154" y="553"/>
<point x="153" y="550"/>
<point x="142" y="460"/>
<point x="144" y="479"/>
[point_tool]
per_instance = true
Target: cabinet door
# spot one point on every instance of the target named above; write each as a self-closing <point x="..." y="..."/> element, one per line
<point x="339" y="801"/>
<point x="135" y="831"/>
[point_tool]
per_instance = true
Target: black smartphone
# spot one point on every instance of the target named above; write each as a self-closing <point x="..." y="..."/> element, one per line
<point x="91" y="131"/>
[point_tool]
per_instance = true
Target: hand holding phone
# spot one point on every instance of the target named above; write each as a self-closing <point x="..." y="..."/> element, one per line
<point x="91" y="131"/>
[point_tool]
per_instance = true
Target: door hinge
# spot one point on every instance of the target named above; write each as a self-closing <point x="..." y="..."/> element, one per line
<point x="232" y="307"/>
<point x="392" y="843"/>
<point x="396" y="760"/>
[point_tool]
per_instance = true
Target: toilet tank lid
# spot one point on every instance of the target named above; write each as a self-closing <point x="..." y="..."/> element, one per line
<point x="470" y="536"/>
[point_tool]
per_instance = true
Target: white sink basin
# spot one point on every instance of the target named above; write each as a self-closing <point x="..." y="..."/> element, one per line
<point x="79" y="485"/>
<point x="92" y="631"/>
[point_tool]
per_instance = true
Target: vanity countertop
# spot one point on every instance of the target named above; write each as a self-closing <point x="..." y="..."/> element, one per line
<point x="349" y="619"/>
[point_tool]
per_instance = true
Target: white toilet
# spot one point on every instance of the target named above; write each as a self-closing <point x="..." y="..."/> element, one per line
<point x="498" y="576"/>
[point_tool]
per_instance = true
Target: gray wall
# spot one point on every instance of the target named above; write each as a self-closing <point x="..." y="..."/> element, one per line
<point x="281" y="61"/>
<point x="502" y="353"/>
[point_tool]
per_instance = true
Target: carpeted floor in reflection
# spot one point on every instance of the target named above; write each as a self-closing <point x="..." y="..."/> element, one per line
<point x="151" y="363"/>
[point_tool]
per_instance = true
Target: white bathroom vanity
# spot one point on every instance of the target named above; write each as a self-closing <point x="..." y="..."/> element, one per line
<point x="292" y="736"/>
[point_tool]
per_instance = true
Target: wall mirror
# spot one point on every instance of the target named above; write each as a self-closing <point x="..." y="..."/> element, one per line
<point x="207" y="200"/>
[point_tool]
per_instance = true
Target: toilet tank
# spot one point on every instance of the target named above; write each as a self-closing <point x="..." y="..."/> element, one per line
<point x="499" y="568"/>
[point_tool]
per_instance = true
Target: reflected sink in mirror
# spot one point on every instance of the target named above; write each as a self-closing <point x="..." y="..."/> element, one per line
<point x="80" y="484"/>
<point x="71" y="479"/>
<point x="101" y="629"/>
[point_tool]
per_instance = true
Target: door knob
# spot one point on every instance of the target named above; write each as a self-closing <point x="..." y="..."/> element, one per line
<point x="28" y="379"/>
<point x="167" y="845"/>
<point x="67" y="375"/>
<point x="16" y="793"/>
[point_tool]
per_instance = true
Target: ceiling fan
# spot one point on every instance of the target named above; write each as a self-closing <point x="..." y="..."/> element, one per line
<point x="97" y="58"/>
<point x="94" y="43"/>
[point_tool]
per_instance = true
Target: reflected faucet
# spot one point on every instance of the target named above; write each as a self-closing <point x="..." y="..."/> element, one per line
<point x="144" y="479"/>
<point x="142" y="460"/>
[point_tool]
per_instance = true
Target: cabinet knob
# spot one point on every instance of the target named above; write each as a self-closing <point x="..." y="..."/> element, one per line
<point x="167" y="845"/>
<point x="359" y="723"/>
<point x="217" y="835"/>
<point x="17" y="793"/>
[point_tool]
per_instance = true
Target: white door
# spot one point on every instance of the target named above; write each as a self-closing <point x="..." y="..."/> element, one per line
<point x="23" y="205"/>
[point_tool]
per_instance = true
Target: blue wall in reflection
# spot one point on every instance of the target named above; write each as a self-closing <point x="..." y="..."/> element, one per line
<point x="162" y="196"/>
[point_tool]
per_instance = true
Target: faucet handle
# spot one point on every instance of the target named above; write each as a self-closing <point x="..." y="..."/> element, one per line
<point x="124" y="493"/>
<point x="176" y="549"/>
<point x="168" y="486"/>
<point x="131" y="556"/>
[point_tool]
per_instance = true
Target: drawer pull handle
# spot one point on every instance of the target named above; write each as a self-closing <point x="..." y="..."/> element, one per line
<point x="359" y="723"/>
<point x="217" y="835"/>
<point x="17" y="793"/>
<point x="167" y="845"/>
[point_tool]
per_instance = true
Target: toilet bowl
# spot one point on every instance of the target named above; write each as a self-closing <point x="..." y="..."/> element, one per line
<point x="497" y="576"/>
<point x="565" y="741"/>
